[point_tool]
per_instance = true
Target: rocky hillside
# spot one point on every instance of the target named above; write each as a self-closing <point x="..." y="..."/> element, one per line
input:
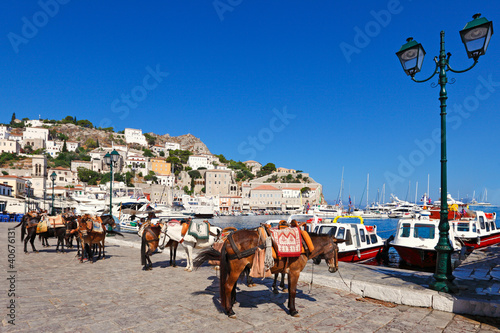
<point x="82" y="134"/>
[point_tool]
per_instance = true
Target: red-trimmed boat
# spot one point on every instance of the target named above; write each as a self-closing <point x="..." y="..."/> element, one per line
<point x="416" y="239"/>
<point x="362" y="241"/>
<point x="476" y="229"/>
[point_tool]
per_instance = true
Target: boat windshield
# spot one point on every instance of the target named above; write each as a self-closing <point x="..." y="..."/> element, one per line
<point x="426" y="231"/>
<point x="463" y="226"/>
<point x="405" y="230"/>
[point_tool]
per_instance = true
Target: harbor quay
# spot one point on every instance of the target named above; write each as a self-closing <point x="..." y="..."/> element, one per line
<point x="52" y="292"/>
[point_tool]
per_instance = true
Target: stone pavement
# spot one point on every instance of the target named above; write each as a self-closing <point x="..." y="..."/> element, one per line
<point x="55" y="293"/>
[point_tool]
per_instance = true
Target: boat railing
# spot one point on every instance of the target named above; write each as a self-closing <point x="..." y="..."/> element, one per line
<point x="349" y="217"/>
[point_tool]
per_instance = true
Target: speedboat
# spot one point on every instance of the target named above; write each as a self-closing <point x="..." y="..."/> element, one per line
<point x="416" y="239"/>
<point x="361" y="241"/>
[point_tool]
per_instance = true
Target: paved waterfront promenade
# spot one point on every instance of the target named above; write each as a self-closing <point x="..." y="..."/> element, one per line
<point x="55" y="293"/>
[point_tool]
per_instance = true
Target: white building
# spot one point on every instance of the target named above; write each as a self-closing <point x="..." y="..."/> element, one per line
<point x="33" y="123"/>
<point x="9" y="146"/>
<point x="137" y="163"/>
<point x="55" y="147"/>
<point x="166" y="180"/>
<point x="172" y="146"/>
<point x="4" y="132"/>
<point x="199" y="161"/>
<point x="36" y="133"/>
<point x="290" y="192"/>
<point x="135" y="136"/>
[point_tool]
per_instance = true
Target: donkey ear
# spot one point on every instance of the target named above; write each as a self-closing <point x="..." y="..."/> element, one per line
<point x="338" y="240"/>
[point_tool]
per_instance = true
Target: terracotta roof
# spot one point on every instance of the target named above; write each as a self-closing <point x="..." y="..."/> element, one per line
<point x="266" y="188"/>
<point x="61" y="169"/>
<point x="12" y="177"/>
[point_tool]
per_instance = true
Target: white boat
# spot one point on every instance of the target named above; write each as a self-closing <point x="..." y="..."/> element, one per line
<point x="416" y="239"/>
<point x="361" y="241"/>
<point x="327" y="210"/>
<point x="201" y="207"/>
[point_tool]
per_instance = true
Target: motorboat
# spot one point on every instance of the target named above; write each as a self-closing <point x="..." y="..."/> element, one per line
<point x="361" y="240"/>
<point x="416" y="239"/>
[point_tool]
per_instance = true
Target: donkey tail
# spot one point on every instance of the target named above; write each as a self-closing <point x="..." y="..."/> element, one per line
<point x="225" y="270"/>
<point x="205" y="255"/>
<point x="143" y="249"/>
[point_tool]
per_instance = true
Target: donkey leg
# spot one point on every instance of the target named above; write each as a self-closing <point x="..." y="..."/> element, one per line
<point x="32" y="241"/>
<point x="275" y="288"/>
<point x="293" y="278"/>
<point x="189" y="260"/>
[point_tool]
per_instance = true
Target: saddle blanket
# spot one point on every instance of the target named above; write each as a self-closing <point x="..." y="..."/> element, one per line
<point x="288" y="241"/>
<point x="97" y="227"/>
<point x="199" y="230"/>
<point x="55" y="221"/>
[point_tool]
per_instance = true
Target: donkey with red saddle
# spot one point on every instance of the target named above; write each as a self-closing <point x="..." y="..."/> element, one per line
<point x="242" y="246"/>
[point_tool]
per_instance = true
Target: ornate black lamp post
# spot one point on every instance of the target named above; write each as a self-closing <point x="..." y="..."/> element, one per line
<point x="110" y="160"/>
<point x="476" y="37"/>
<point x="27" y="198"/>
<point x="53" y="177"/>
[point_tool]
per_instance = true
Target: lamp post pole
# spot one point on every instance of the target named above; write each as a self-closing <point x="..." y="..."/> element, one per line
<point x="53" y="178"/>
<point x="475" y="36"/>
<point x="110" y="159"/>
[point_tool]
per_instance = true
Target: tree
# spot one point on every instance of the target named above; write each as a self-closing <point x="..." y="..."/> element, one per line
<point x="64" y="147"/>
<point x="266" y="170"/>
<point x="13" y="119"/>
<point x="305" y="190"/>
<point x="90" y="143"/>
<point x="150" y="139"/>
<point x="162" y="153"/>
<point x="85" y="123"/>
<point x="194" y="174"/>
<point x="147" y="153"/>
<point x="222" y="159"/>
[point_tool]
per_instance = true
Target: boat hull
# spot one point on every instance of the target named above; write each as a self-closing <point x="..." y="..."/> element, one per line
<point x="481" y="242"/>
<point x="364" y="254"/>
<point x="424" y="258"/>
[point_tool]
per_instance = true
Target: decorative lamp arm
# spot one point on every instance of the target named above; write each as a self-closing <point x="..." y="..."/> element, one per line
<point x="436" y="70"/>
<point x="460" y="71"/>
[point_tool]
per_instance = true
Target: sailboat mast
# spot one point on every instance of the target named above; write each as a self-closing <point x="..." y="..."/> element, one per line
<point x="383" y="194"/>
<point x="416" y="190"/>
<point x="428" y="178"/>
<point x="367" y="186"/>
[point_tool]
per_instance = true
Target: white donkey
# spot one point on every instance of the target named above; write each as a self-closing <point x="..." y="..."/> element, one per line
<point x="173" y="231"/>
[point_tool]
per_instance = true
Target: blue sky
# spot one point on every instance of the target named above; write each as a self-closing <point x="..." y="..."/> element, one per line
<point x="307" y="85"/>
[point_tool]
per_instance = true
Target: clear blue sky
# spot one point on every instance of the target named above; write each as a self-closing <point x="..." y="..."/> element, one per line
<point x="289" y="82"/>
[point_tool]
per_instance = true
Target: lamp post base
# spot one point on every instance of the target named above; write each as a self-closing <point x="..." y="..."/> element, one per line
<point x="446" y="286"/>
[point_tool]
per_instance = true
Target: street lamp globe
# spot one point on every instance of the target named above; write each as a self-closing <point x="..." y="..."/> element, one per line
<point x="107" y="159"/>
<point x="476" y="36"/>
<point x="115" y="156"/>
<point x="411" y="55"/>
<point x="53" y="176"/>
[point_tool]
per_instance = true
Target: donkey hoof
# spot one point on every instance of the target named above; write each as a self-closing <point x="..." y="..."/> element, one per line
<point x="275" y="291"/>
<point x="36" y="252"/>
<point x="26" y="252"/>
<point x="294" y="313"/>
<point x="231" y="314"/>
